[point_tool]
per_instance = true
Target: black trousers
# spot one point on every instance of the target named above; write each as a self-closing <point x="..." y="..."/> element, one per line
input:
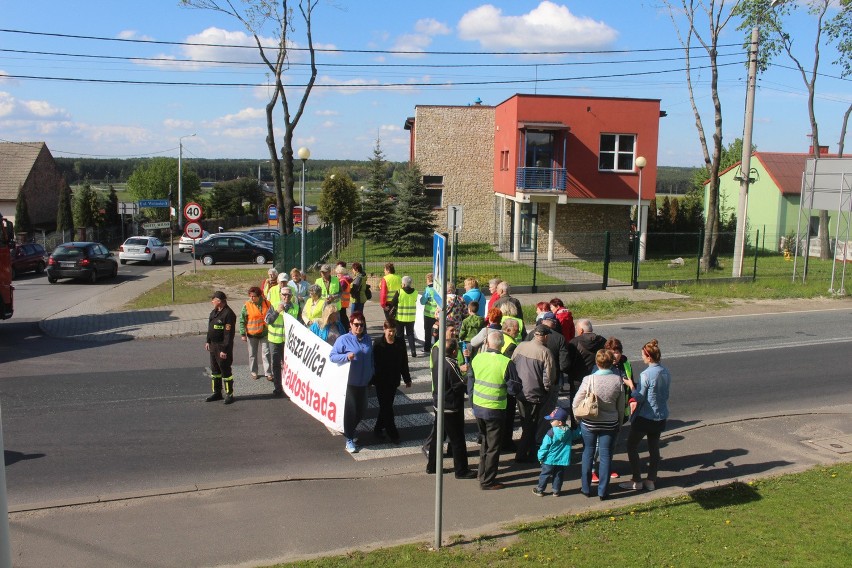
<point x="530" y="413"/>
<point x="404" y="329"/>
<point x="385" y="421"/>
<point x="428" y="323"/>
<point x="353" y="410"/>
<point x="491" y="432"/>
<point x="454" y="430"/>
<point x="509" y="423"/>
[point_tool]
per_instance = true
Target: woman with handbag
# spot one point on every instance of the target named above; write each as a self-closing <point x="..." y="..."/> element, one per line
<point x="599" y="404"/>
<point x="649" y="407"/>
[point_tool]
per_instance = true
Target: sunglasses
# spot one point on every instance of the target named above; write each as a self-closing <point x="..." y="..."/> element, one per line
<point x="357" y="324"/>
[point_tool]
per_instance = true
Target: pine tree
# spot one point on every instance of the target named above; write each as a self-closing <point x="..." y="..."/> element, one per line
<point x="412" y="223"/>
<point x="111" y="217"/>
<point x="674" y="215"/>
<point x="375" y="205"/>
<point x="664" y="216"/>
<point x="86" y="207"/>
<point x="22" y="214"/>
<point x="65" y="215"/>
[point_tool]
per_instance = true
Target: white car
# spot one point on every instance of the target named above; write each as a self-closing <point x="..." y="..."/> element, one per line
<point x="143" y="249"/>
<point x="185" y="243"/>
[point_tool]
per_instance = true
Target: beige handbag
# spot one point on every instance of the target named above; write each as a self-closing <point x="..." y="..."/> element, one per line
<point x="588" y="407"/>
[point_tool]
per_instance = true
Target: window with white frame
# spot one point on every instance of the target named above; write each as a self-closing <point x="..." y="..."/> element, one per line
<point x="617" y="152"/>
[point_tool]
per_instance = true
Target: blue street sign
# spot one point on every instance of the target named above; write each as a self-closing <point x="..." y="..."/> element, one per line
<point x="272" y="215"/>
<point x="155" y="203"/>
<point x="439" y="267"/>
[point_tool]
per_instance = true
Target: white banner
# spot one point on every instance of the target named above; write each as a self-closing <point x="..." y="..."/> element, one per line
<point x="311" y="380"/>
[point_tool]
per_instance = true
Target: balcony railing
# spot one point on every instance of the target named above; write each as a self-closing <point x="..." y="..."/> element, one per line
<point x="541" y="179"/>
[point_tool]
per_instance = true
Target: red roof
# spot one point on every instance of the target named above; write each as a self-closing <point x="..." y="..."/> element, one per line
<point x="785" y="169"/>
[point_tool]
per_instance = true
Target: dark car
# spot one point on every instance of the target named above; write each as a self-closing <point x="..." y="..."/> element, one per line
<point x="268" y="235"/>
<point x="232" y="248"/>
<point x="84" y="261"/>
<point x="30" y="257"/>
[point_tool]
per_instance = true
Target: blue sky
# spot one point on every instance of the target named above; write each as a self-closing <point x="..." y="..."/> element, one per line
<point x="348" y="109"/>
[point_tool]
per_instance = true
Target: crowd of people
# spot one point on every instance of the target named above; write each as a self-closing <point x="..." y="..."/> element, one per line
<point x="505" y="370"/>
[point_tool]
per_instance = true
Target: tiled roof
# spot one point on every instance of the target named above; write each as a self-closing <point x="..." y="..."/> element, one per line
<point x="16" y="162"/>
<point x="785" y="169"/>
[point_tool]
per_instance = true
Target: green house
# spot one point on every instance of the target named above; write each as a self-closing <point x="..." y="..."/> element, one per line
<point x="773" y="198"/>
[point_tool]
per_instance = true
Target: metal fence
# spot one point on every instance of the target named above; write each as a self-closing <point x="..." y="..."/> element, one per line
<point x="288" y="249"/>
<point x="599" y="260"/>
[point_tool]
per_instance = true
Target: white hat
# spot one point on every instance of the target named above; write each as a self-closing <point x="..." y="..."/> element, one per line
<point x="282" y="277"/>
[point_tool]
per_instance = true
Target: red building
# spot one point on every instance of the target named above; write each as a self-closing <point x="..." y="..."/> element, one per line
<point x="539" y="169"/>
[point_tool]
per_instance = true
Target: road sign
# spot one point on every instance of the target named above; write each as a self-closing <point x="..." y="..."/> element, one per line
<point x="155" y="203"/>
<point x="157" y="225"/>
<point x="193" y="230"/>
<point x="272" y="213"/>
<point x="454" y="218"/>
<point x="192" y="211"/>
<point x="439" y="264"/>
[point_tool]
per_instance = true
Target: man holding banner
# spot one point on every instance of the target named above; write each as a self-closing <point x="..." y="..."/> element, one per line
<point x="355" y="348"/>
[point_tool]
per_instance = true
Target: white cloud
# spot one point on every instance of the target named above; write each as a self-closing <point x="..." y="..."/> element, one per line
<point x="389" y="128"/>
<point x="133" y="34"/>
<point x="326" y="112"/>
<point x="306" y="141"/>
<point x="347" y="87"/>
<point x="329" y="124"/>
<point x="549" y="26"/>
<point x="245" y="115"/>
<point x="245" y="133"/>
<point x="424" y="31"/>
<point x="14" y="109"/>
<point x="177" y="124"/>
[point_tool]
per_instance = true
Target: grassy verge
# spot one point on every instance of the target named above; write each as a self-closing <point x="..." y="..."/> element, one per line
<point x="791" y="520"/>
<point x="191" y="288"/>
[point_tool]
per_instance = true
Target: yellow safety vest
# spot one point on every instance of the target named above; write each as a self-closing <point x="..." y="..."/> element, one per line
<point x="489" y="384"/>
<point x="406" y="306"/>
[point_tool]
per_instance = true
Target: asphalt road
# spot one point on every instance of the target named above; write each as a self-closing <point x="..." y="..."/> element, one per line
<point x="83" y="419"/>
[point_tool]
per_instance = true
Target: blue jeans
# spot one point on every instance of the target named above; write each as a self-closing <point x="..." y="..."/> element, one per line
<point x="355" y="307"/>
<point x="546" y="471"/>
<point x="606" y="444"/>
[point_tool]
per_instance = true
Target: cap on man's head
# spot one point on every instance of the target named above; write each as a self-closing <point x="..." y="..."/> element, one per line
<point x="546" y="316"/>
<point x="325" y="268"/>
<point x="558" y="413"/>
<point x="219" y="295"/>
<point x="542" y="330"/>
<point x="282" y="277"/>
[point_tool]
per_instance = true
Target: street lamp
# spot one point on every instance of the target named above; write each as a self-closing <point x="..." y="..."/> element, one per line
<point x="179" y="211"/>
<point x="641" y="162"/>
<point x="304" y="154"/>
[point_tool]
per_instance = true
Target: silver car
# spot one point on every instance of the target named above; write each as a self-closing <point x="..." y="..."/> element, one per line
<point x="185" y="243"/>
<point x="143" y="249"/>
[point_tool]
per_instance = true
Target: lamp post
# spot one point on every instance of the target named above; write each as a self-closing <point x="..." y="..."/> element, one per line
<point x="641" y="162"/>
<point x="304" y="154"/>
<point x="179" y="212"/>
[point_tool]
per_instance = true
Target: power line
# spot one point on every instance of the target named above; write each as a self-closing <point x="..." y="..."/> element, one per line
<point x="370" y="51"/>
<point x="365" y="86"/>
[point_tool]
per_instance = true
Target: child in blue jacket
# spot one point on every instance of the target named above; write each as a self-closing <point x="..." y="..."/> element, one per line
<point x="555" y="452"/>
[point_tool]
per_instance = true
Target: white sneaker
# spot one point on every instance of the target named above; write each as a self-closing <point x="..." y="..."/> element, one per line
<point x="631" y="485"/>
<point x="351" y="447"/>
<point x="649" y="485"/>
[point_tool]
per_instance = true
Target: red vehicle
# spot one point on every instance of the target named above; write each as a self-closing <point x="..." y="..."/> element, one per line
<point x="7" y="244"/>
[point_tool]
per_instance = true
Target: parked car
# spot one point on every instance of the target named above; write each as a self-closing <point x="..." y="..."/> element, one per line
<point x="143" y="249"/>
<point x="30" y="257"/>
<point x="232" y="247"/>
<point x="81" y="260"/>
<point x="185" y="243"/>
<point x="265" y="235"/>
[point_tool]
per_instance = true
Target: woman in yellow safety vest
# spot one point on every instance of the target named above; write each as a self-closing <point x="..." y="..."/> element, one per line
<point x="313" y="306"/>
<point x="405" y="313"/>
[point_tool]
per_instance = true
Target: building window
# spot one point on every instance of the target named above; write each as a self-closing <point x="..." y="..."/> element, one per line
<point x="434" y="190"/>
<point x="504" y="160"/>
<point x="813" y="227"/>
<point x="616" y="153"/>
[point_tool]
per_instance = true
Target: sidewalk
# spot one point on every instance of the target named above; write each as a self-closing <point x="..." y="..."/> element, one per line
<point x="104" y="318"/>
<point x="264" y="521"/>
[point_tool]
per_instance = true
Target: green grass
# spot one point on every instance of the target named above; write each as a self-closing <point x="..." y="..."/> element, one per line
<point x="191" y="288"/>
<point x="791" y="520"/>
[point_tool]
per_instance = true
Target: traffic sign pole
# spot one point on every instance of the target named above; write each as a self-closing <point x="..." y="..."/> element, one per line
<point x="439" y="273"/>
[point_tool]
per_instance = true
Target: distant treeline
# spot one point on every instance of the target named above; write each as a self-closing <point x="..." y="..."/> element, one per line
<point x="113" y="170"/>
<point x="674" y="181"/>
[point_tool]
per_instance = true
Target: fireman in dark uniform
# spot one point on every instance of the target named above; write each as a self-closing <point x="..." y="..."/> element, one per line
<point x="220" y="344"/>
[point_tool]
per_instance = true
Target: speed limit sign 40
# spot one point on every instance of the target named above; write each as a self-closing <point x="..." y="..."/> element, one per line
<point x="192" y="211"/>
<point x="193" y="230"/>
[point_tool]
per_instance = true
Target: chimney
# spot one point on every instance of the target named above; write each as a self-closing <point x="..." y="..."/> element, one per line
<point x="823" y="150"/>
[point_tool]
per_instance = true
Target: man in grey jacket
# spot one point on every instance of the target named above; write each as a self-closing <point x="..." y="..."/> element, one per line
<point x="537" y="371"/>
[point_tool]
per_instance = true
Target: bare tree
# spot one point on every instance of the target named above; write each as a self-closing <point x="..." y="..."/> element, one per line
<point x="704" y="21"/>
<point x="255" y="16"/>
<point x="770" y="16"/>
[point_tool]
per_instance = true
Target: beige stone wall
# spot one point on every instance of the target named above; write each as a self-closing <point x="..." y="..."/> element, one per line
<point x="580" y="228"/>
<point x="458" y="144"/>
